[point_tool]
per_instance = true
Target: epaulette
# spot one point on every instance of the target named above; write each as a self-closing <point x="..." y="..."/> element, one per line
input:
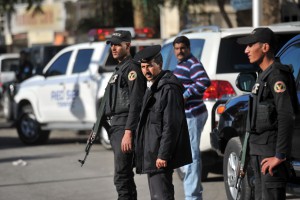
<point x="284" y="67"/>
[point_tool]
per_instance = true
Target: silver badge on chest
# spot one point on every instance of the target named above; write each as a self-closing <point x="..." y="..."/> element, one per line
<point x="255" y="88"/>
<point x="113" y="78"/>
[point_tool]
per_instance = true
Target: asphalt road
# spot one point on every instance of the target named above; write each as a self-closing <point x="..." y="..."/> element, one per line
<point x="52" y="171"/>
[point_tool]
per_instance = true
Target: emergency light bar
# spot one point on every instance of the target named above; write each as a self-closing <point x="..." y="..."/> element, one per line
<point x="101" y="34"/>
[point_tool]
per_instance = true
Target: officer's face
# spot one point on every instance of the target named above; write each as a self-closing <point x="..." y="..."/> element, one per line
<point x="150" y="70"/>
<point x="120" y="51"/>
<point x="256" y="52"/>
<point x="181" y="51"/>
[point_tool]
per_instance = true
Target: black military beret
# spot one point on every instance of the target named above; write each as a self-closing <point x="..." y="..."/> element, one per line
<point x="147" y="54"/>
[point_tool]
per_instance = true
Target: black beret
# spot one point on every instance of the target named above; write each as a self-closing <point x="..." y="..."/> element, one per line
<point x="147" y="54"/>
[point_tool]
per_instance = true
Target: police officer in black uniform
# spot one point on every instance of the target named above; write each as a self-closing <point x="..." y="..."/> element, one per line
<point x="273" y="115"/>
<point x="126" y="88"/>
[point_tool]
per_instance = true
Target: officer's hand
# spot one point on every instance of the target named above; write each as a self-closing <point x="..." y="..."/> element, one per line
<point x="161" y="163"/>
<point x="126" y="144"/>
<point x="268" y="164"/>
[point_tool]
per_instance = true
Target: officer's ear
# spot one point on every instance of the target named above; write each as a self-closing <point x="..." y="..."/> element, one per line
<point x="128" y="45"/>
<point x="265" y="47"/>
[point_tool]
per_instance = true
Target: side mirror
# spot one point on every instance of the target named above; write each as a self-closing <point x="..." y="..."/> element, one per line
<point x="245" y="81"/>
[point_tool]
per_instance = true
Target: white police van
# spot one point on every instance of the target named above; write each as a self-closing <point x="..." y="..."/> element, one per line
<point x="68" y="92"/>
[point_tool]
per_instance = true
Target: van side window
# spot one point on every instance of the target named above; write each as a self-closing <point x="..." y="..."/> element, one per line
<point x="59" y="67"/>
<point x="83" y="60"/>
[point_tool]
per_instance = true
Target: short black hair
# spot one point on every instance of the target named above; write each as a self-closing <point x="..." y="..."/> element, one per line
<point x="182" y="39"/>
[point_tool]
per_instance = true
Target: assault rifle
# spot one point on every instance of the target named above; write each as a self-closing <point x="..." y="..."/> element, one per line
<point x="95" y="132"/>
<point x="242" y="164"/>
<point x="89" y="144"/>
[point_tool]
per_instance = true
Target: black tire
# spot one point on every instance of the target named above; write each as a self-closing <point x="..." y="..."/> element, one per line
<point x="29" y="130"/>
<point x="181" y="173"/>
<point x="7" y="106"/>
<point x="230" y="167"/>
<point x="104" y="139"/>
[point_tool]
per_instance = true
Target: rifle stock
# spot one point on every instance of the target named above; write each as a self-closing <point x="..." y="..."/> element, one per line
<point x="88" y="146"/>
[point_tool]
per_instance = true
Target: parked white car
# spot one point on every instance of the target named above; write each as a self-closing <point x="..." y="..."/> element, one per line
<point x="222" y="59"/>
<point x="8" y="66"/>
<point x="67" y="94"/>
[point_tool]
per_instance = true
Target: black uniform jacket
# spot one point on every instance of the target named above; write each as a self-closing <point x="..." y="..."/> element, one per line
<point x="274" y="120"/>
<point x="126" y="95"/>
<point x="162" y="131"/>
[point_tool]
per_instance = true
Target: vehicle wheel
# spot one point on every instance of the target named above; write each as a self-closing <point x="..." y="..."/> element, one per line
<point x="7" y="105"/>
<point x="29" y="129"/>
<point x="230" y="167"/>
<point x="104" y="139"/>
<point x="181" y="173"/>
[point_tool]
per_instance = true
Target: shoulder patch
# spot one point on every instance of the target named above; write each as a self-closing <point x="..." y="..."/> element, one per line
<point x="279" y="87"/>
<point x="132" y="75"/>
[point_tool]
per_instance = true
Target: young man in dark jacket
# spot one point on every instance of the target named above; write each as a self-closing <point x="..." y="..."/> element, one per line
<point x="162" y="138"/>
<point x="272" y="116"/>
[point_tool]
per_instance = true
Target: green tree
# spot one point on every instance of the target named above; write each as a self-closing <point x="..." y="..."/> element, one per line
<point x="183" y="6"/>
<point x="146" y="12"/>
<point x="221" y="4"/>
<point x="183" y="9"/>
<point x="101" y="15"/>
<point x="7" y="8"/>
<point x="270" y="12"/>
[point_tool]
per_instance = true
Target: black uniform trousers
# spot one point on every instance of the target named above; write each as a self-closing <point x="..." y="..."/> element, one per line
<point x="269" y="187"/>
<point x="161" y="185"/>
<point x="123" y="162"/>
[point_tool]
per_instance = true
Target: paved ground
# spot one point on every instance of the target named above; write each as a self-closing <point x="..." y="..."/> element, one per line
<point x="52" y="171"/>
